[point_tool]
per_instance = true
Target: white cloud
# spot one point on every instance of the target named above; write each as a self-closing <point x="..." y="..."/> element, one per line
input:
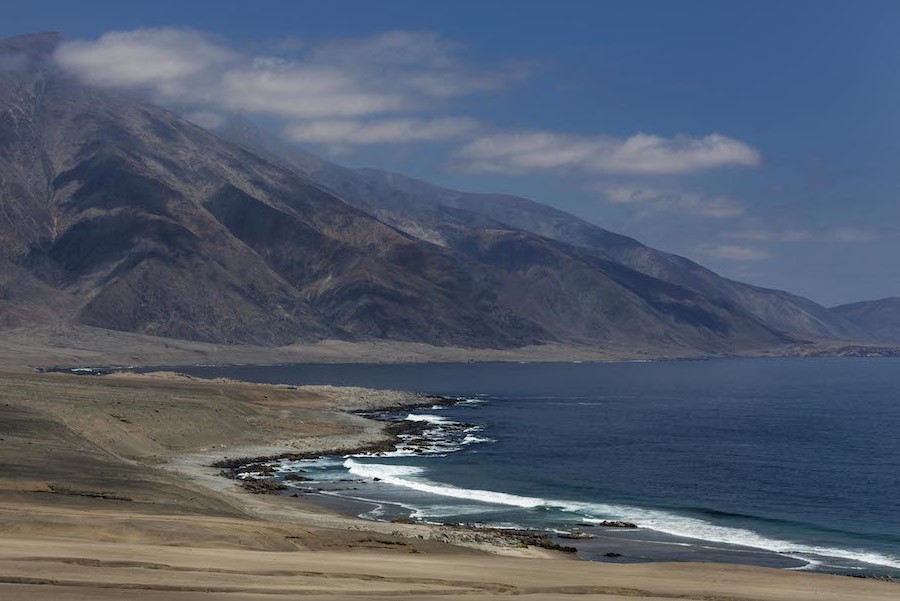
<point x="382" y="89"/>
<point x="648" y="154"/>
<point x="421" y="62"/>
<point x="760" y="235"/>
<point x="653" y="199"/>
<point x="386" y="131"/>
<point x="851" y="234"/>
<point x="323" y="90"/>
<point x="641" y="154"/>
<point x="733" y="252"/>
<point x="304" y="92"/>
<point x="157" y="58"/>
<point x="837" y="234"/>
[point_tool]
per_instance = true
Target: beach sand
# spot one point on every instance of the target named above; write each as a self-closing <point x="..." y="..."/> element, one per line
<point x="106" y="493"/>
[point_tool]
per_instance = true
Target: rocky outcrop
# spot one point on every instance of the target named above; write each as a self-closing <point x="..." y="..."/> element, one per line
<point x="617" y="524"/>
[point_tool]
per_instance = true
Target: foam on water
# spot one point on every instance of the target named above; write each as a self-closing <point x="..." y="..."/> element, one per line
<point x="406" y="476"/>
<point x="411" y="477"/>
<point x="438" y="511"/>
<point x="688" y="527"/>
<point x="470" y="439"/>
<point x="468" y="402"/>
<point x="431" y="419"/>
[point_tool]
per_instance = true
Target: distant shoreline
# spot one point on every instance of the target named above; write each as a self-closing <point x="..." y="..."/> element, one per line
<point x="74" y="346"/>
<point x="853" y="352"/>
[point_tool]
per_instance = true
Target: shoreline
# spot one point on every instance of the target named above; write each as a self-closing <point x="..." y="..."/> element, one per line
<point x="847" y="352"/>
<point x="69" y="345"/>
<point x="258" y="476"/>
<point x="220" y="475"/>
<point x="98" y="469"/>
<point x="392" y="429"/>
<point x="379" y="436"/>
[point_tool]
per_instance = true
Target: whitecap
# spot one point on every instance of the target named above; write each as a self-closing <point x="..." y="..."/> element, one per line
<point x="411" y="477"/>
<point x="431" y="419"/>
<point x="469" y="439"/>
<point x="406" y="476"/>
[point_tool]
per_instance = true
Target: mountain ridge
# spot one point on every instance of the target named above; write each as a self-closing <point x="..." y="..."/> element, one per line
<point x="880" y="318"/>
<point x="411" y="205"/>
<point x="122" y="215"/>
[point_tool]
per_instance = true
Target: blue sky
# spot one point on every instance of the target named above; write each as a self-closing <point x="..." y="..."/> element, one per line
<point x="760" y="138"/>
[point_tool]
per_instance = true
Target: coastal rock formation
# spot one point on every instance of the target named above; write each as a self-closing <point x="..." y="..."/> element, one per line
<point x="617" y="524"/>
<point x="261" y="486"/>
<point x="577" y="535"/>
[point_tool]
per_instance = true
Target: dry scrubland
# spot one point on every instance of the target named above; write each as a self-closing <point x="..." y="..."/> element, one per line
<point x="105" y="494"/>
<point x="44" y="346"/>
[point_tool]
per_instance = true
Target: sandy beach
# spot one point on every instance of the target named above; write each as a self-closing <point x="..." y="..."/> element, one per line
<point x="106" y="493"/>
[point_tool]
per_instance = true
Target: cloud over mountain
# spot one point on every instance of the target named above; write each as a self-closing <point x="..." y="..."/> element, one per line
<point x="657" y="199"/>
<point x="386" y="88"/>
<point x="383" y="131"/>
<point x="322" y="91"/>
<point x="640" y="154"/>
<point x="845" y="234"/>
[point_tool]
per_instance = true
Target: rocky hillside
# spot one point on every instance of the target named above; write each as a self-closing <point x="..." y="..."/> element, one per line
<point x="121" y="215"/>
<point x="879" y="318"/>
<point x="448" y="218"/>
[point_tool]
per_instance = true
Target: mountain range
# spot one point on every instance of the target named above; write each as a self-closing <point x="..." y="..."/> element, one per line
<point x="880" y="319"/>
<point x="121" y="215"/>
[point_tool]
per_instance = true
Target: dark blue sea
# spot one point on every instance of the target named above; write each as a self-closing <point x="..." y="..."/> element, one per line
<point x="785" y="462"/>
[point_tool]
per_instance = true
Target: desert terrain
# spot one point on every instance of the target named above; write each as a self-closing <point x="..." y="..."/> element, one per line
<point x="106" y="493"/>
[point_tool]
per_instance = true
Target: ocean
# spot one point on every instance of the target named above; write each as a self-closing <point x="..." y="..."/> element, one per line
<point x="783" y="462"/>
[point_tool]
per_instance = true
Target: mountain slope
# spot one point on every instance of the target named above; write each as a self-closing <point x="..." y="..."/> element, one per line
<point x="144" y="222"/>
<point x="439" y="215"/>
<point x="793" y="315"/>
<point x="436" y="215"/>
<point x="880" y="318"/>
<point x="120" y="215"/>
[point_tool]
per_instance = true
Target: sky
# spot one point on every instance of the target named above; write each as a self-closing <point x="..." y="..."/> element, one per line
<point x="761" y="139"/>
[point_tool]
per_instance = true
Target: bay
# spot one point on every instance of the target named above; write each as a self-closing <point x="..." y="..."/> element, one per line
<point x="791" y="462"/>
